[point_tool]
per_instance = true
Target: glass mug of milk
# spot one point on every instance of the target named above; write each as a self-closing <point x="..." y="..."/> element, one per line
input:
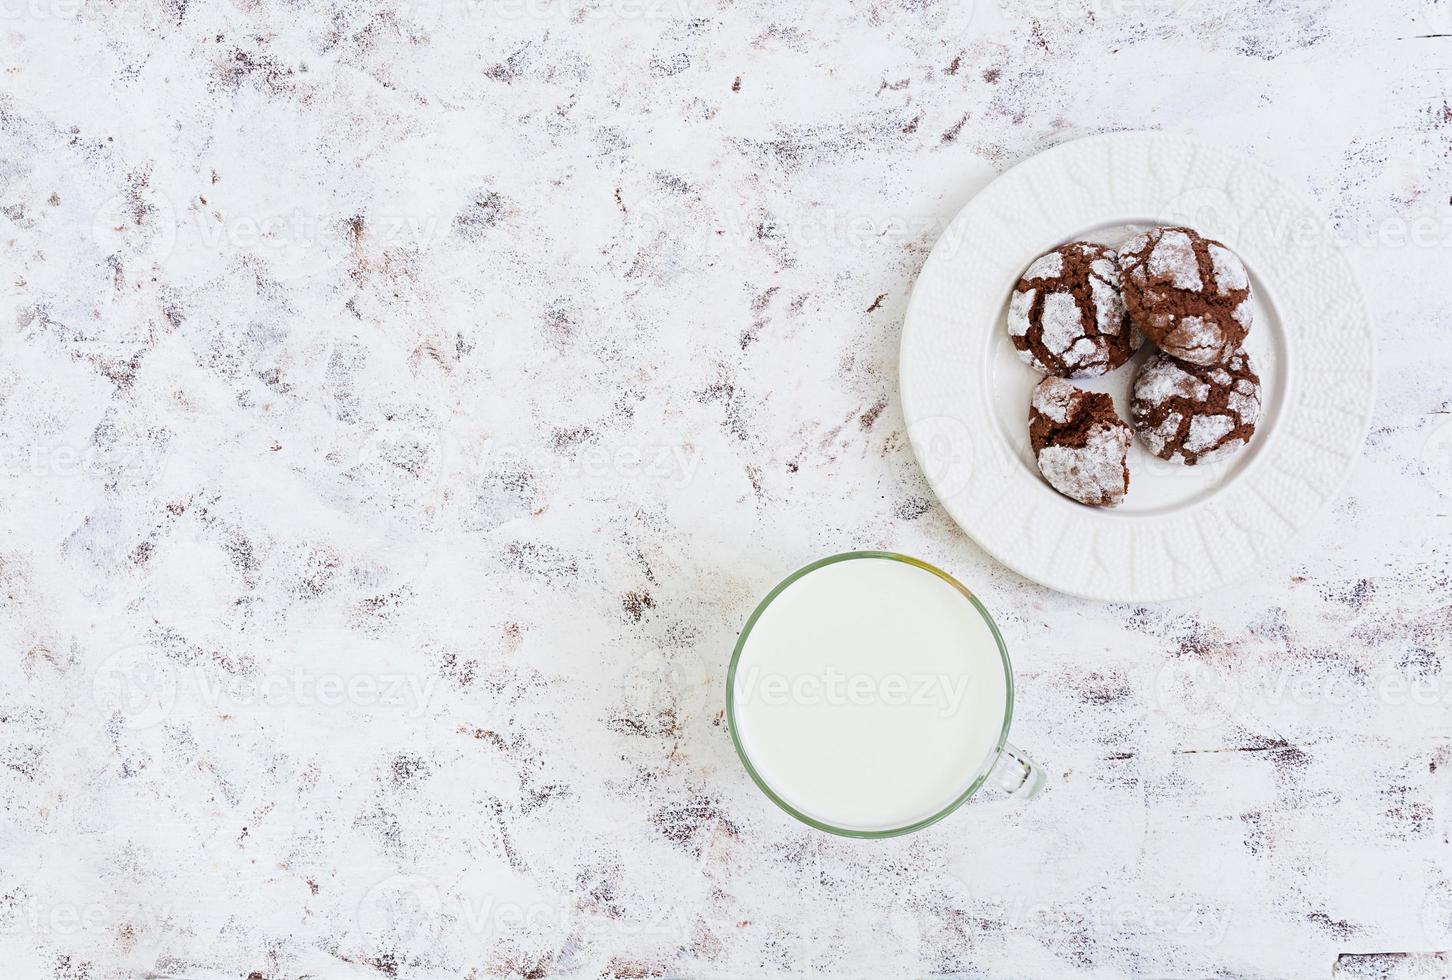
<point x="870" y="695"/>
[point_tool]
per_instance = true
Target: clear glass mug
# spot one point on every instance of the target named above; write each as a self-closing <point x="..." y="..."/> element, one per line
<point x="1005" y="765"/>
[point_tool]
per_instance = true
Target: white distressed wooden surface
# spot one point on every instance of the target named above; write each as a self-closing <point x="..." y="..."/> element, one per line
<point x="402" y="406"/>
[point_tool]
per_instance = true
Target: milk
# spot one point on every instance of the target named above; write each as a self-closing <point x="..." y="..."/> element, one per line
<point x="869" y="694"/>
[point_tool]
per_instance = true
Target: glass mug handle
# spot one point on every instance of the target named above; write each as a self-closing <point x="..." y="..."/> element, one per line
<point x="1016" y="774"/>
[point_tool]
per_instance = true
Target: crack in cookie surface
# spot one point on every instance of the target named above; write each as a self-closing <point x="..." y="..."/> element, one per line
<point x="1080" y="443"/>
<point x="1067" y="316"/>
<point x="1196" y="414"/>
<point x="1189" y="294"/>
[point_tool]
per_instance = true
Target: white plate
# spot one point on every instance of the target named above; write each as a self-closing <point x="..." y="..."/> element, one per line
<point x="1182" y="530"/>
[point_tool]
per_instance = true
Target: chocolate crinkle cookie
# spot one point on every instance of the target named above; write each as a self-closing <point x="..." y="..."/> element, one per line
<point x="1195" y="414"/>
<point x="1067" y="315"/>
<point x="1080" y="443"/>
<point x="1189" y="294"/>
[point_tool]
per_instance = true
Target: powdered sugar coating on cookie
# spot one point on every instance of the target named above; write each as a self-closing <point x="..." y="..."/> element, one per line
<point x="1195" y="414"/>
<point x="1067" y="316"/>
<point x="1092" y="473"/>
<point x="1047" y="266"/>
<point x="1080" y="443"/>
<point x="1189" y="294"/>
<point x="1055" y="399"/>
<point x="1172" y="260"/>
